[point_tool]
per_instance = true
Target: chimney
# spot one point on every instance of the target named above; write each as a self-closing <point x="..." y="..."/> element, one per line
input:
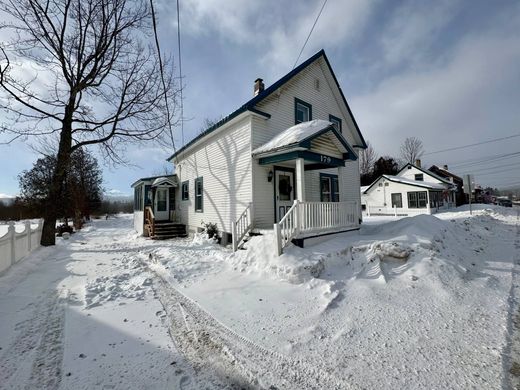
<point x="445" y="167"/>
<point x="418" y="163"/>
<point x="259" y="86"/>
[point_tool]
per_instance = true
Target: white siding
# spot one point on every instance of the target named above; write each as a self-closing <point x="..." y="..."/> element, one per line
<point x="223" y="161"/>
<point x="139" y="221"/>
<point x="280" y="105"/>
<point x="410" y="172"/>
<point x="378" y="196"/>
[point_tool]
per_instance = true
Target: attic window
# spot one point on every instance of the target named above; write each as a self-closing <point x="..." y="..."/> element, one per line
<point x="317" y="84"/>
<point x="419" y="177"/>
<point x="302" y="111"/>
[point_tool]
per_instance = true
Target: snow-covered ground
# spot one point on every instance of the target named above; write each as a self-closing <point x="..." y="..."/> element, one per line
<point x="422" y="302"/>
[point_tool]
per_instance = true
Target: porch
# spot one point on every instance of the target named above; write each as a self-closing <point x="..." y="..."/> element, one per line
<point x="308" y="171"/>
<point x="154" y="208"/>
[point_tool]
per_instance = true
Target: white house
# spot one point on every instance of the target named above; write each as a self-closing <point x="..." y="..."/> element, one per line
<point x="285" y="160"/>
<point x="412" y="191"/>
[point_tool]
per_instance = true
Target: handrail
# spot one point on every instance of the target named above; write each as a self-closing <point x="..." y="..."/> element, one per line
<point x="242" y="226"/>
<point x="287" y="228"/>
<point x="149" y="219"/>
<point x="305" y="218"/>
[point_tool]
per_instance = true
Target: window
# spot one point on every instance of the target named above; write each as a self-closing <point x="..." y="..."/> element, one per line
<point x="419" y="177"/>
<point x="138" y="198"/>
<point x="185" y="190"/>
<point x="336" y="122"/>
<point x="302" y="111"/>
<point x="199" y="194"/>
<point x="417" y="200"/>
<point x="162" y="202"/>
<point x="329" y="188"/>
<point x="397" y="200"/>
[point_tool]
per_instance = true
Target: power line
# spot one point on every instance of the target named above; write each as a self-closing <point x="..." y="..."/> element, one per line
<point x="471" y="145"/>
<point x="180" y="69"/>
<point x="486" y="159"/>
<point x="310" y="32"/>
<point x="496" y="172"/>
<point x="162" y="74"/>
<point x="517" y="165"/>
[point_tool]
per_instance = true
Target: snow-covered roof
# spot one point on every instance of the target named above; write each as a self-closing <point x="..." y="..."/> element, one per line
<point x="164" y="180"/>
<point x="172" y="179"/>
<point x="293" y="135"/>
<point x="425" y="184"/>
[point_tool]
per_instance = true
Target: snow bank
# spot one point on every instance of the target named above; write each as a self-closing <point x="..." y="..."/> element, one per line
<point x="294" y="265"/>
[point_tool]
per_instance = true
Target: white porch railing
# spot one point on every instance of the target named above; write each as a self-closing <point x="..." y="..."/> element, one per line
<point x="242" y="226"/>
<point x="314" y="217"/>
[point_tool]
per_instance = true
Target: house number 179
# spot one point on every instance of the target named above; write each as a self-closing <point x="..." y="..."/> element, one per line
<point x="325" y="159"/>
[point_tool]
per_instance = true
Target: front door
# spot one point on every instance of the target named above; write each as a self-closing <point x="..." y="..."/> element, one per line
<point x="284" y="193"/>
<point x="161" y="204"/>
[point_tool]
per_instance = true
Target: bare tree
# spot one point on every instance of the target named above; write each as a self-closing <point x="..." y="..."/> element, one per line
<point x="96" y="80"/>
<point x="367" y="158"/>
<point x="208" y="122"/>
<point x="412" y="149"/>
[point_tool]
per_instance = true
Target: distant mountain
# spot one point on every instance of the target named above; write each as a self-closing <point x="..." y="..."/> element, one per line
<point x="117" y="196"/>
<point x="6" y="199"/>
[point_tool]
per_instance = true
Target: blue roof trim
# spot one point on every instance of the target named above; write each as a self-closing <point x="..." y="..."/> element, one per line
<point x="250" y="105"/>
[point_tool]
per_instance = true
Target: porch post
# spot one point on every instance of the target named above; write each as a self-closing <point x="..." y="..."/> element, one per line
<point x="300" y="180"/>
<point x="341" y="177"/>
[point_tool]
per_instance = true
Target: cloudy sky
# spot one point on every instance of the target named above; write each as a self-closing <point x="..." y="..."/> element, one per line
<point x="447" y="72"/>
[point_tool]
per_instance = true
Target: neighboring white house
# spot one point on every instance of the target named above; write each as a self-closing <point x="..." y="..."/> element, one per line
<point x="286" y="159"/>
<point x="412" y="191"/>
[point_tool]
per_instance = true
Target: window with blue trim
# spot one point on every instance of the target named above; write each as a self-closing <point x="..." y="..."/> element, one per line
<point x="302" y="111"/>
<point x="329" y="188"/>
<point x="336" y="122"/>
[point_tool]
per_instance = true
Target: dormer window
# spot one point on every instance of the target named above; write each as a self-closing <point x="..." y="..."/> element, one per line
<point x="302" y="111"/>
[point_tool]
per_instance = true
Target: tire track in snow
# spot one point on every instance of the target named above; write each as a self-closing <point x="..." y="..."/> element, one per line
<point x="210" y="344"/>
<point x="38" y="348"/>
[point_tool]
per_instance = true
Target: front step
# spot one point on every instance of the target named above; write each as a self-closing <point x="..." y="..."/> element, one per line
<point x="167" y="229"/>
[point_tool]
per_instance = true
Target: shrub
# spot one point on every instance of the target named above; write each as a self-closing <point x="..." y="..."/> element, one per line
<point x="211" y="229"/>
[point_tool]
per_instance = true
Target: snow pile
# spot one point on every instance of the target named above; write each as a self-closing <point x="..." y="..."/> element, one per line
<point x="191" y="259"/>
<point x="134" y="283"/>
<point x="260" y="256"/>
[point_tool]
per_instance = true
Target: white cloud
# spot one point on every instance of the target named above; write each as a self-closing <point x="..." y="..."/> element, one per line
<point x="470" y="96"/>
<point x="413" y="29"/>
<point x="278" y="29"/>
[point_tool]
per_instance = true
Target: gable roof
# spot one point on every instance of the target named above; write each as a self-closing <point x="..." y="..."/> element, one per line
<point x="415" y="183"/>
<point x="441" y="171"/>
<point x="301" y="134"/>
<point x="432" y="174"/>
<point x="250" y="105"/>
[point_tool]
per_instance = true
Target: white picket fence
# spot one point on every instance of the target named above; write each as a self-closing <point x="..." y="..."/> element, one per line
<point x="14" y="246"/>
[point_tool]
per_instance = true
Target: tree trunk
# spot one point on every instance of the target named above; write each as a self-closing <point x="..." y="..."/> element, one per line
<point x="55" y="200"/>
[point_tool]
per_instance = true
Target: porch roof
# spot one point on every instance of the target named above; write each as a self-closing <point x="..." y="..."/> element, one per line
<point x="155" y="180"/>
<point x="299" y="137"/>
